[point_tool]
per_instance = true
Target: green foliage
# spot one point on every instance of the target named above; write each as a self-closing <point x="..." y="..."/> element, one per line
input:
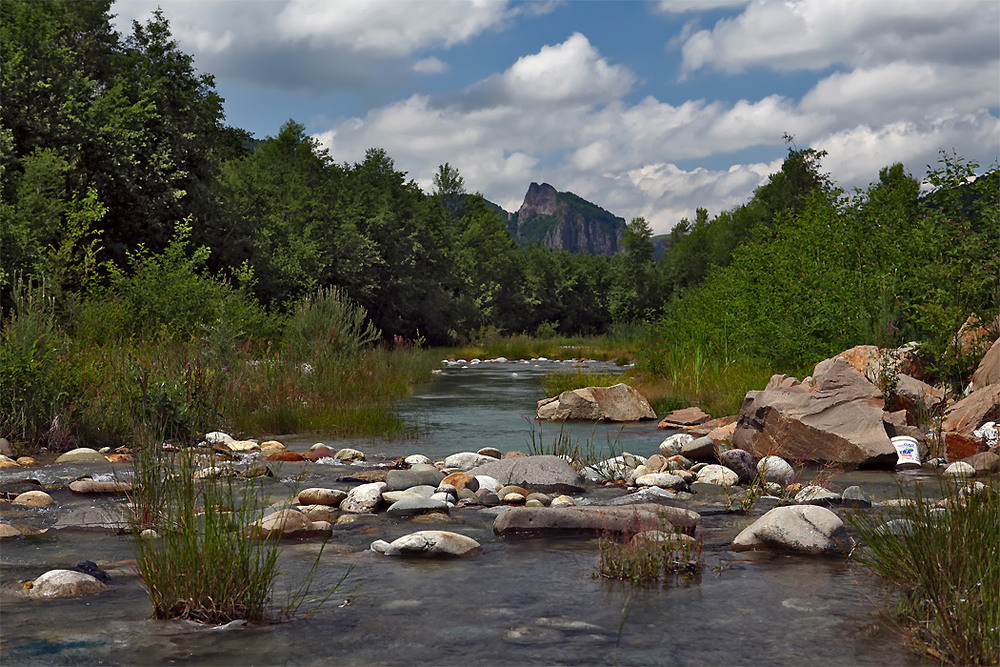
<point x="643" y="558"/>
<point x="329" y="321"/>
<point x="555" y="383"/>
<point x="943" y="564"/>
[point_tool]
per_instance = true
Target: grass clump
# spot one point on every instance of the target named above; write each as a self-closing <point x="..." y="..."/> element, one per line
<point x="202" y="564"/>
<point x="944" y="564"/>
<point x="645" y="557"/>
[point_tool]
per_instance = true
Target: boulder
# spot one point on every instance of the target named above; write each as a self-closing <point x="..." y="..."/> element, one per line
<point x="775" y="469"/>
<point x="64" y="584"/>
<point x="109" y="519"/>
<point x="673" y="445"/>
<point x="466" y="461"/>
<point x="645" y="495"/>
<point x="8" y="531"/>
<point x="805" y="529"/>
<point x="686" y="417"/>
<point x="960" y="469"/>
<point x="432" y="544"/>
<point x="740" y="462"/>
<point x="619" y="403"/>
<point x="917" y="398"/>
<point x="7" y="462"/>
<point x="363" y="498"/>
<point x="316" y="453"/>
<point x="718" y="475"/>
<point x="414" y="505"/>
<point x="817" y="495"/>
<point x="218" y="438"/>
<point x="984" y="463"/>
<point x="288" y="524"/>
<point x="981" y="406"/>
<point x="699" y="449"/>
<point x="988" y="370"/>
<point x="6" y="449"/>
<point x="490" y="451"/>
<point x="414" y="459"/>
<point x="545" y="473"/>
<point x="839" y="421"/>
<point x="349" y="454"/>
<point x="662" y="480"/>
<point x="82" y="455"/>
<point x="420" y="474"/>
<point x="91" y="488"/>
<point x="318" y="496"/>
<point x="592" y="520"/>
<point x="33" y="499"/>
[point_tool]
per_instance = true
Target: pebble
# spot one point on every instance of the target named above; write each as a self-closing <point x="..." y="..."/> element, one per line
<point x="33" y="499"/>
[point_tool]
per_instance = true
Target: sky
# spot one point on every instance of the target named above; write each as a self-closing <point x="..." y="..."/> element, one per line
<point x="646" y="108"/>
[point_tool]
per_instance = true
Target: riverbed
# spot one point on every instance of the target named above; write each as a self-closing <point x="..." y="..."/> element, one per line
<point x="522" y="601"/>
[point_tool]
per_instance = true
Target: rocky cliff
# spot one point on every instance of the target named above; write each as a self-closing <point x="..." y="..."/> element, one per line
<point x="565" y="221"/>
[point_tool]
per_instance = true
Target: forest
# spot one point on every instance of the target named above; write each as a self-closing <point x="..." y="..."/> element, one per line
<point x="148" y="250"/>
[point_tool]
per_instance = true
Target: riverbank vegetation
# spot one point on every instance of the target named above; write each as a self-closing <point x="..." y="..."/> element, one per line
<point x="943" y="568"/>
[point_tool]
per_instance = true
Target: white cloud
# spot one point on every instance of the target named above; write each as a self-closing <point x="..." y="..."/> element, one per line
<point x="814" y="34"/>
<point x="681" y="6"/>
<point x="430" y="65"/>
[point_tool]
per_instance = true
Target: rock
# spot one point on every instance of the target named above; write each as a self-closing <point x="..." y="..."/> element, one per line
<point x="271" y="447"/>
<point x="434" y="544"/>
<point x="686" y="417"/>
<point x="775" y="469"/>
<point x="320" y="513"/>
<point x="959" y="469"/>
<point x="513" y="455"/>
<point x="461" y="480"/>
<point x="958" y="446"/>
<point x="917" y="398"/>
<point x="487" y="482"/>
<point x="108" y="519"/>
<point x="645" y="495"/>
<point x="365" y="476"/>
<point x="491" y="452"/>
<point x="678" y="463"/>
<point x="740" y="462"/>
<point x="33" y="499"/>
<point x="562" y="501"/>
<point x="662" y="480"/>
<point x="673" y="541"/>
<point x="656" y="463"/>
<point x="8" y="531"/>
<point x="421" y="474"/>
<point x="91" y="568"/>
<point x="364" y="498"/>
<point x="854" y="496"/>
<point x="805" y="529"/>
<point x="348" y="454"/>
<point x="512" y="498"/>
<point x="90" y="487"/>
<point x="64" y="584"/>
<point x="987" y="372"/>
<point x="7" y="462"/>
<point x="981" y="406"/>
<point x="414" y="505"/>
<point x="218" y="438"/>
<point x="673" y="445"/>
<point x="467" y="460"/>
<point x="414" y="459"/>
<point x="817" y="495"/>
<point x="82" y="455"/>
<point x="288" y="524"/>
<point x="619" y="403"/>
<point x="719" y="475"/>
<point x="242" y="446"/>
<point x="321" y="452"/>
<point x="590" y="519"/>
<point x="283" y="455"/>
<point x="318" y="496"/>
<point x="699" y="449"/>
<point x="545" y="473"/>
<point x="839" y="420"/>
<point x="488" y="497"/>
<point x="379" y="546"/>
<point x="513" y="488"/>
<point x="984" y="463"/>
<point x="255" y="471"/>
<point x="989" y="433"/>
<point x="6" y="449"/>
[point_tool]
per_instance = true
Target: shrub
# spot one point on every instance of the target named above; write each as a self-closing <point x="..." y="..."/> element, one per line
<point x="329" y="322"/>
<point x="645" y="557"/>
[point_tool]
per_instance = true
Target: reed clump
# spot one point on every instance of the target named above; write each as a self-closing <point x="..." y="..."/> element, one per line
<point x="941" y="561"/>
<point x="644" y="557"/>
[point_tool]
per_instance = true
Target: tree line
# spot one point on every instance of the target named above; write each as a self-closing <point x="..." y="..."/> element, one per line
<point x="121" y="179"/>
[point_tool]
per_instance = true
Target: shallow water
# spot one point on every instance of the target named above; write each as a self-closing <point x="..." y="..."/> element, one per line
<point x="522" y="601"/>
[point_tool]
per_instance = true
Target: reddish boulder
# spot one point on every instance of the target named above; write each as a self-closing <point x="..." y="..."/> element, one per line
<point x="974" y="410"/>
<point x="322" y="452"/>
<point x="988" y="371"/>
<point x="285" y="456"/>
<point x="686" y="417"/>
<point x="837" y="421"/>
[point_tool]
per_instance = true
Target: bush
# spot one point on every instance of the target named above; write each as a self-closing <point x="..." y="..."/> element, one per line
<point x="328" y="322"/>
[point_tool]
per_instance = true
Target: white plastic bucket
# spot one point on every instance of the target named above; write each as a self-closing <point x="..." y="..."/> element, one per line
<point x="906" y="451"/>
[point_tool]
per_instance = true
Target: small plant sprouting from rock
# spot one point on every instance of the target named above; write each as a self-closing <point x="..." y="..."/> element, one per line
<point x="642" y="557"/>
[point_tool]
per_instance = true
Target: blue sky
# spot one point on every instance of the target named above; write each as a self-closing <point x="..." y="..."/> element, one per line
<point x="648" y="108"/>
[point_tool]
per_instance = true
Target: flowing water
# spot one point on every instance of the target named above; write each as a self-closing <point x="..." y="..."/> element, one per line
<point x="522" y="601"/>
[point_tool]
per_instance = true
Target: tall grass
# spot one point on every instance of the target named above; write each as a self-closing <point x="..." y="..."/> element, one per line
<point x="202" y="566"/>
<point x="554" y="384"/>
<point x="945" y="568"/>
<point x="647" y="557"/>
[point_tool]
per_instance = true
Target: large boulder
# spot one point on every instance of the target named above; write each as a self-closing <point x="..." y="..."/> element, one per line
<point x="838" y="420"/>
<point x="363" y="498"/>
<point x="805" y="529"/>
<point x="418" y="475"/>
<point x="988" y="370"/>
<point x="917" y="398"/>
<point x="620" y="403"/>
<point x="433" y="544"/>
<point x="593" y="520"/>
<point x="979" y="407"/>
<point x="289" y="524"/>
<point x="545" y="473"/>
